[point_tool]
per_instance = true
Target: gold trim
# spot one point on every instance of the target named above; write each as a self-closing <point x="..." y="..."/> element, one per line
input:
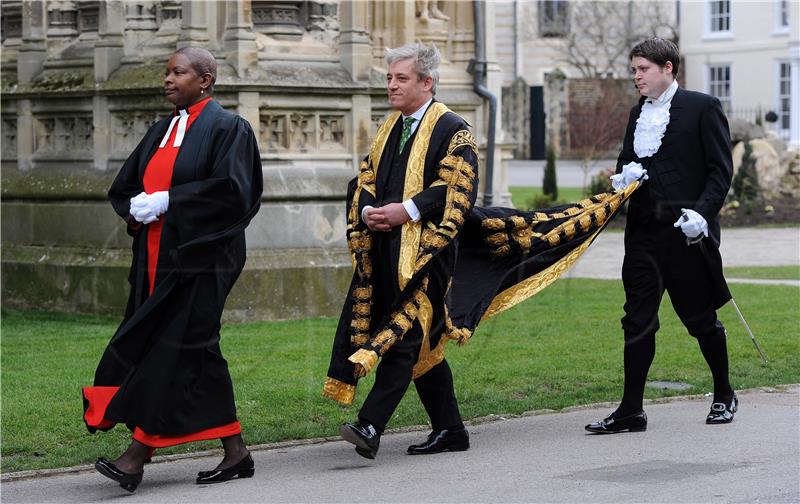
<point x="414" y="180"/>
<point x="530" y="286"/>
<point x="339" y="391"/>
<point x="364" y="360"/>
<point x="376" y="151"/>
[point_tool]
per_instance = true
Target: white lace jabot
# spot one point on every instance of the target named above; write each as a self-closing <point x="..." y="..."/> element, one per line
<point x="652" y="123"/>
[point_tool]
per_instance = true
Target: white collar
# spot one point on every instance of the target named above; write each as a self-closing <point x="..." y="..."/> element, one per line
<point x="666" y="96"/>
<point x="420" y="111"/>
<point x="182" y="119"/>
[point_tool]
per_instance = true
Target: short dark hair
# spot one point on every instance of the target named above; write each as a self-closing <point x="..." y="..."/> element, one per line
<point x="659" y="51"/>
<point x="202" y="62"/>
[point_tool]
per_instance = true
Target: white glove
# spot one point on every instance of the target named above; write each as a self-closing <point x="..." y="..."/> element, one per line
<point x="692" y="224"/>
<point x="146" y="208"/>
<point x="630" y="173"/>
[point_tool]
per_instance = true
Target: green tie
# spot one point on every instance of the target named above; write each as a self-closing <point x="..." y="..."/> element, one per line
<point x="407" y="122"/>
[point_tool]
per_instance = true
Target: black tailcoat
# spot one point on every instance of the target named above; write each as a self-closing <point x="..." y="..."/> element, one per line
<point x="692" y="169"/>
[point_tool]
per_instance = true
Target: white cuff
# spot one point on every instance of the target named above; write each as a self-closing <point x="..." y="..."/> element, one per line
<point x="412" y="210"/>
<point x="364" y="220"/>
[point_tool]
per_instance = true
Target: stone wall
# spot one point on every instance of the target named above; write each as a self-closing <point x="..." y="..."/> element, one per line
<point x="81" y="83"/>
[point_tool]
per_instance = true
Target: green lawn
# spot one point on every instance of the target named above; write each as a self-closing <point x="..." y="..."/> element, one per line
<point x="561" y="348"/>
<point x="765" y="272"/>
<point x="523" y="196"/>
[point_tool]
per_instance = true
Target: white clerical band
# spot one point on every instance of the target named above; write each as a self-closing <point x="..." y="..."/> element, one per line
<point x="182" y="120"/>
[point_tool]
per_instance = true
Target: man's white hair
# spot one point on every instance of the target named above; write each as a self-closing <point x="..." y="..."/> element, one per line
<point x="426" y="60"/>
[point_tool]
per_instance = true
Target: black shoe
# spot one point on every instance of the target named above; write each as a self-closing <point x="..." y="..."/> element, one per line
<point x="127" y="481"/>
<point x="364" y="435"/>
<point x="442" y="441"/>
<point x="611" y="424"/>
<point x="721" y="412"/>
<point x="245" y="468"/>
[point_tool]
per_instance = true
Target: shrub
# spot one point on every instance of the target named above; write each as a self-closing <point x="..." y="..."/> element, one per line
<point x="745" y="183"/>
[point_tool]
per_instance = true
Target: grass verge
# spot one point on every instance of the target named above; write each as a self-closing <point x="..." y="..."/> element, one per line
<point x="558" y="349"/>
<point x="523" y="196"/>
<point x="765" y="272"/>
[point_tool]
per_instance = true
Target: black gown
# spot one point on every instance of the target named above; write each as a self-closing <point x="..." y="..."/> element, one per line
<point x="163" y="371"/>
<point x="492" y="259"/>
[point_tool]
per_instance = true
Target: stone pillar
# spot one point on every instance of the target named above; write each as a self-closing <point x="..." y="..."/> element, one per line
<point x="360" y="127"/>
<point x="248" y="108"/>
<point x="25" y="134"/>
<point x="194" y="26"/>
<point x="110" y="46"/>
<point x="354" y="43"/>
<point x="405" y="21"/>
<point x="102" y="132"/>
<point x="494" y="81"/>
<point x="794" y="96"/>
<point x="240" y="41"/>
<point x="33" y="51"/>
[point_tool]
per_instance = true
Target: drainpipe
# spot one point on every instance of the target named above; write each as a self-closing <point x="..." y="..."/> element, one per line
<point x="477" y="67"/>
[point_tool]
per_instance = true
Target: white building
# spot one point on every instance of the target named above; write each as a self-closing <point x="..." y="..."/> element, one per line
<point x="747" y="54"/>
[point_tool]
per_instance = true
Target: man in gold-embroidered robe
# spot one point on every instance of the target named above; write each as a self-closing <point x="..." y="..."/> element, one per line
<point x="405" y="211"/>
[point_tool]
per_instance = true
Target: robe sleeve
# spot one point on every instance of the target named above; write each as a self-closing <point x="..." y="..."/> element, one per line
<point x="364" y="190"/>
<point x="210" y="211"/>
<point x="432" y="201"/>
<point x="128" y="182"/>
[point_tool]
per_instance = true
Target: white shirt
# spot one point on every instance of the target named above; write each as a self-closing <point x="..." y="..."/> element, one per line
<point x="408" y="204"/>
<point x="652" y="122"/>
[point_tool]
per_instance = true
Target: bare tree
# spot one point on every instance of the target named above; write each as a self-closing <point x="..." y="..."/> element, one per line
<point x="601" y="33"/>
<point x="597" y="123"/>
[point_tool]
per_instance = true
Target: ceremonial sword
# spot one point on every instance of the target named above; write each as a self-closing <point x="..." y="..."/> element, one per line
<point x="698" y="240"/>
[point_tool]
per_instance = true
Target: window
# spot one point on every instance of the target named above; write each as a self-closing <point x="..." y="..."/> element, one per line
<point x="784" y="96"/>
<point x="720" y="16"/>
<point x="553" y="18"/>
<point x="719" y="84"/>
<point x="781" y="16"/>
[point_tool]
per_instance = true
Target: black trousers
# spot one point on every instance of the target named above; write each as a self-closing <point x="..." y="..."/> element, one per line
<point x="657" y="259"/>
<point x="392" y="378"/>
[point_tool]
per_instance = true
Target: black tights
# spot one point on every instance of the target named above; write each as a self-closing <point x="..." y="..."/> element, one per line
<point x="639" y="353"/>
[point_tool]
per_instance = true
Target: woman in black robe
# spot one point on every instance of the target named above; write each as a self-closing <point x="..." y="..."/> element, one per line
<point x="187" y="192"/>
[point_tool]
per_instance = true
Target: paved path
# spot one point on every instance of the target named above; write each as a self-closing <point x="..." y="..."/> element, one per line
<point x="740" y="247"/>
<point x="569" y="172"/>
<point x="537" y="458"/>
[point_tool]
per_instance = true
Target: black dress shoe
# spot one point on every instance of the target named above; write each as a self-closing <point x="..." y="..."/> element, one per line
<point x="245" y="468"/>
<point x="612" y="424"/>
<point x="441" y="441"/>
<point x="127" y="481"/>
<point x="721" y="412"/>
<point x="364" y="435"/>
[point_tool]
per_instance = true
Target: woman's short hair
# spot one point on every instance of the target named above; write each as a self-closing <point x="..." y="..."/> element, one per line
<point x="202" y="62"/>
<point x="426" y="60"/>
<point x="659" y="51"/>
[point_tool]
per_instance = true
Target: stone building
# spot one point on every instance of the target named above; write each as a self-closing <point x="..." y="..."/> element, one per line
<point x="81" y="83"/>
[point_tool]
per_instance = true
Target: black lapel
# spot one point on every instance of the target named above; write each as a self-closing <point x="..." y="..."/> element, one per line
<point x="676" y="111"/>
<point x="388" y="157"/>
<point x="195" y="141"/>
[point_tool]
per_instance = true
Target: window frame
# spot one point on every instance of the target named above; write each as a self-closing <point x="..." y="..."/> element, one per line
<point x="725" y="101"/>
<point x="779" y="97"/>
<point x="708" y="32"/>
